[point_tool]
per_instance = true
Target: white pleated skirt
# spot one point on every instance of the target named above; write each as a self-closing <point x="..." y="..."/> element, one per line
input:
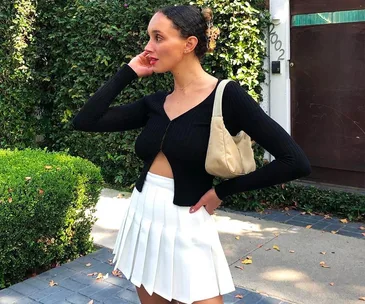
<point x="171" y="252"/>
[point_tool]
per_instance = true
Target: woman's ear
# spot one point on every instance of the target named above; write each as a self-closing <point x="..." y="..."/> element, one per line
<point x="191" y="43"/>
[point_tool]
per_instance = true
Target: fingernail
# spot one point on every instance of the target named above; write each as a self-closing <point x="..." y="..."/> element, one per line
<point x="192" y="210"/>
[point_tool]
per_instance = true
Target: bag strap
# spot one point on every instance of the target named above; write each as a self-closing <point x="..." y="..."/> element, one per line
<point x="217" y="107"/>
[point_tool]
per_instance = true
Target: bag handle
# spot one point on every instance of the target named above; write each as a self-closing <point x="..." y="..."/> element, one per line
<point x="217" y="107"/>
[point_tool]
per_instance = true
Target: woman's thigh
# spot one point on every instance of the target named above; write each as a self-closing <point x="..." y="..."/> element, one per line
<point x="215" y="300"/>
<point x="145" y="298"/>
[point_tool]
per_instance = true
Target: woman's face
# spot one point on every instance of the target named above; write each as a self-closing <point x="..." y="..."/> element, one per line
<point x="166" y="46"/>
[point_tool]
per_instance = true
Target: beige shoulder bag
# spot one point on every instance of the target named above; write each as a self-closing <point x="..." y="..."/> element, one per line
<point x="227" y="156"/>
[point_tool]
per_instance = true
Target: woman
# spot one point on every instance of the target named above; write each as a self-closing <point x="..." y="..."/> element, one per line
<point x="168" y="245"/>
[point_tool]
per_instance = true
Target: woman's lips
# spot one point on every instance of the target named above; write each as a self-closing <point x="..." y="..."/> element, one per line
<point x="153" y="60"/>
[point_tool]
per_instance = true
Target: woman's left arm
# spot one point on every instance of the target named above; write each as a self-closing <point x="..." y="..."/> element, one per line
<point x="241" y="112"/>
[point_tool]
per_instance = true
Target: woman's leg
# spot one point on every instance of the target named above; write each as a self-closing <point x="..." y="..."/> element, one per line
<point x="145" y="298"/>
<point x="215" y="300"/>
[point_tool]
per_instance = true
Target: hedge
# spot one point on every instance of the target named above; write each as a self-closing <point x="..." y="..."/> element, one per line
<point x="310" y="199"/>
<point x="72" y="47"/>
<point x="46" y="205"/>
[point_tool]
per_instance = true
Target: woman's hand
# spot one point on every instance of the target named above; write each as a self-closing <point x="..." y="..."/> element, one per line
<point x="209" y="200"/>
<point x="141" y="65"/>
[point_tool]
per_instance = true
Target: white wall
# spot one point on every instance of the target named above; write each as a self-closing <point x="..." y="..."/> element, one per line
<point x="276" y="88"/>
<point x="279" y="49"/>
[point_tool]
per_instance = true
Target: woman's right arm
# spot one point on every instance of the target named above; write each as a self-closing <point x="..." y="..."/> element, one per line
<point x="97" y="115"/>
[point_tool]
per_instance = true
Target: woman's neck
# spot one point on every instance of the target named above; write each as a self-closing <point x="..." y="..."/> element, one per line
<point x="188" y="76"/>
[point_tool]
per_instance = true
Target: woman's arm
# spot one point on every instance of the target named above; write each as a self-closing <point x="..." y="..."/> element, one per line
<point x="290" y="161"/>
<point x="97" y="115"/>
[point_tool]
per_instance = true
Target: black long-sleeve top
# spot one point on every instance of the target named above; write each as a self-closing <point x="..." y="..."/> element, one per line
<point x="184" y="140"/>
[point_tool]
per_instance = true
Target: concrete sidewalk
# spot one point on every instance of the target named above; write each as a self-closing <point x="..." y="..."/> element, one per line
<point x="291" y="275"/>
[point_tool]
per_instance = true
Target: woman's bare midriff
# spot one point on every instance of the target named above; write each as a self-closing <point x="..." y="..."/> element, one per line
<point x="161" y="166"/>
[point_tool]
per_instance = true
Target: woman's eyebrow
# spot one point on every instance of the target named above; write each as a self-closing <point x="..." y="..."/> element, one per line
<point x="155" y="32"/>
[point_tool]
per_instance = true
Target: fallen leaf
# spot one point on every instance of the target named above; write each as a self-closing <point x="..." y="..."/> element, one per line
<point x="10" y="199"/>
<point x="363" y="234"/>
<point x="276" y="234"/>
<point x="41" y="191"/>
<point x="120" y="195"/>
<point x="28" y="178"/>
<point x="247" y="261"/>
<point x="88" y="264"/>
<point x="332" y="284"/>
<point x="92" y="274"/>
<point x="276" y="247"/>
<point x="267" y="249"/>
<point x="362" y="298"/>
<point x="286" y="209"/>
<point x="327" y="216"/>
<point x="323" y="264"/>
<point x="309" y="226"/>
<point x="334" y="232"/>
<point x="323" y="252"/>
<point x="90" y="302"/>
<point x="239" y="296"/>
<point x="52" y="283"/>
<point x="239" y="267"/>
<point x="344" y="221"/>
<point x="48" y="167"/>
<point x="303" y="213"/>
<point x="100" y="276"/>
<point x="291" y="251"/>
<point x="259" y="246"/>
<point x="237" y="237"/>
<point x="117" y="273"/>
<point x="362" y="228"/>
<point x="110" y="262"/>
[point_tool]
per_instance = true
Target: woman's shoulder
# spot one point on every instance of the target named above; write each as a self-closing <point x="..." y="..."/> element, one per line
<point x="237" y="101"/>
<point x="155" y="100"/>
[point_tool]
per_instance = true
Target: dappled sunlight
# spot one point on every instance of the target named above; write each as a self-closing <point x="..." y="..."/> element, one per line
<point x="283" y="275"/>
<point x="9" y="299"/>
<point x="300" y="280"/>
<point x="110" y="213"/>
<point x="227" y="225"/>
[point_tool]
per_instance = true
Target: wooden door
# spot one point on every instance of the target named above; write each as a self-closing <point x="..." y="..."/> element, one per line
<point x="328" y="89"/>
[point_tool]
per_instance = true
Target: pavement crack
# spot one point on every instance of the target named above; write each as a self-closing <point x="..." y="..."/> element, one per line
<point x="257" y="248"/>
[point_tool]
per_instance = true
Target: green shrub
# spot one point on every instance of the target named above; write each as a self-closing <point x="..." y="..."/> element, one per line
<point x="306" y="198"/>
<point x="46" y="210"/>
<point x="19" y="92"/>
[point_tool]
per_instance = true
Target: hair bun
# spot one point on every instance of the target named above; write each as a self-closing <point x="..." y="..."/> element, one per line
<point x="207" y="14"/>
<point x="212" y="31"/>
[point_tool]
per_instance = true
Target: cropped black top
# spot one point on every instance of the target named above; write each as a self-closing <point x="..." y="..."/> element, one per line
<point x="184" y="139"/>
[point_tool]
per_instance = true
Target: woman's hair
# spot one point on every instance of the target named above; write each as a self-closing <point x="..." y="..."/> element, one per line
<point x="190" y="21"/>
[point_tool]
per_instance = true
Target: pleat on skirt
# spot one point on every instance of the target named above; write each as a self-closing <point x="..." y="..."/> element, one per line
<point x="171" y="252"/>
